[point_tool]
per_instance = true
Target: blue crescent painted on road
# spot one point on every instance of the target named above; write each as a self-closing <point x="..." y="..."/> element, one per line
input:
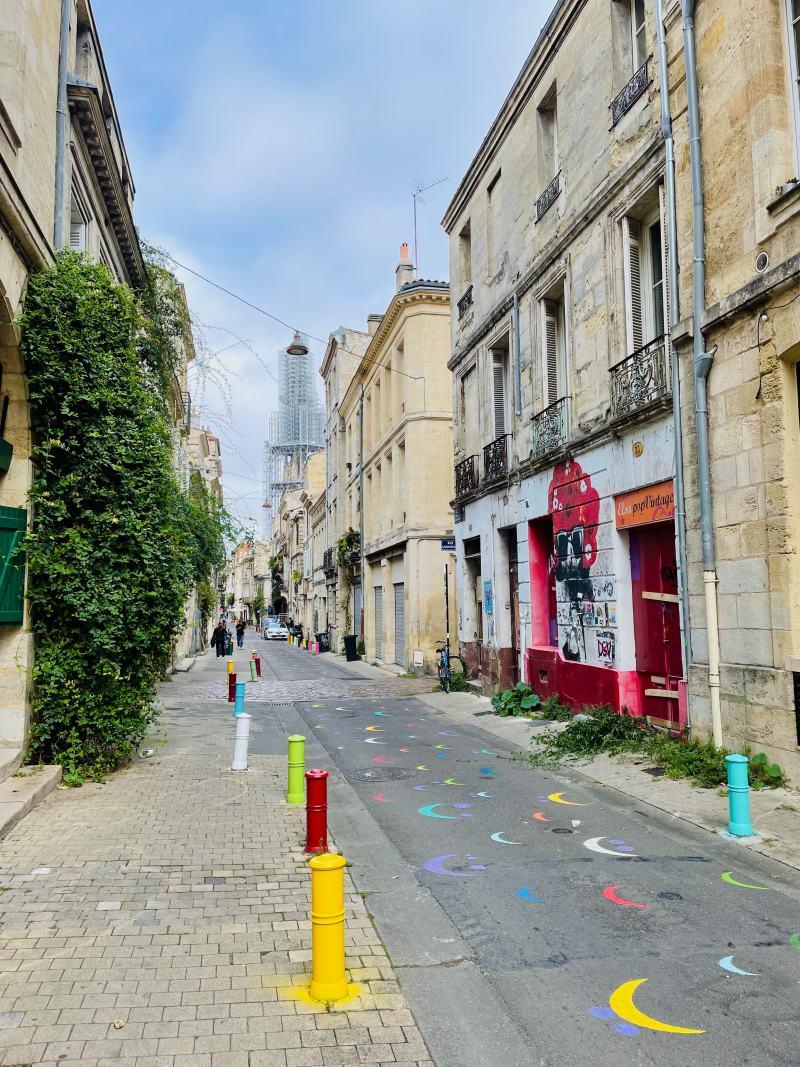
<point x="525" y="894"/>
<point x="382" y="714"/>
<point x="437" y="866"/>
<point x="727" y="964"/>
<point x="428" y="809"/>
<point x="593" y="844"/>
<point x="498" y="837"/>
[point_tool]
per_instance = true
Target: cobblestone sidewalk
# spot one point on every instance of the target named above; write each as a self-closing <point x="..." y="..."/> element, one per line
<point x="163" y="917"/>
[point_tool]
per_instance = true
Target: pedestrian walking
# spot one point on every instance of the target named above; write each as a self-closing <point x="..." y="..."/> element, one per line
<point x="219" y="638"/>
<point x="240" y="628"/>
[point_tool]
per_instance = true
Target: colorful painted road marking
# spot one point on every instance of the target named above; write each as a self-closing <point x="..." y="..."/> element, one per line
<point x="373" y="729"/>
<point x="540" y="816"/>
<point x="610" y="893"/>
<point x="558" y="798"/>
<point x="422" y="767"/>
<point x="794" y="941"/>
<point x="727" y="964"/>
<point x="378" y="759"/>
<point x="432" y="813"/>
<point x="526" y="893"/>
<point x="374" y="741"/>
<point x="486" y="772"/>
<point x="437" y="866"/>
<point x="727" y="876"/>
<point x="498" y="837"/>
<point x="383" y="800"/>
<point x="621" y="1002"/>
<point x="487" y="796"/>
<point x="452" y="781"/>
<point x="608" y="1015"/>
<point x="625" y="851"/>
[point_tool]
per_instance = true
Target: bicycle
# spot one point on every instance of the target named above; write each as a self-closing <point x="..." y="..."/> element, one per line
<point x="444" y="670"/>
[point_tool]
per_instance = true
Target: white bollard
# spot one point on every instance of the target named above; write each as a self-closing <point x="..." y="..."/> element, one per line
<point x="240" y="744"/>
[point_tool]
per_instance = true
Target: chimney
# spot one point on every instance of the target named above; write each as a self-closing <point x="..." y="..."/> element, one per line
<point x="405" y="268"/>
<point x="373" y="322"/>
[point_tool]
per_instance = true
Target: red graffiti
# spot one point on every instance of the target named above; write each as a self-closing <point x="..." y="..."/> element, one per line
<point x="574" y="504"/>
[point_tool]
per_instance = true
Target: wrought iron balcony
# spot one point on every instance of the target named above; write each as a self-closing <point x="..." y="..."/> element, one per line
<point x="624" y="101"/>
<point x="548" y="197"/>
<point x="551" y="428"/>
<point x="640" y="380"/>
<point x="495" y="458"/>
<point x="465" y="303"/>
<point x="329" y="563"/>
<point x="466" y="476"/>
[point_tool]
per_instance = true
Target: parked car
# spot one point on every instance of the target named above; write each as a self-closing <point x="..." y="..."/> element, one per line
<point x="275" y="630"/>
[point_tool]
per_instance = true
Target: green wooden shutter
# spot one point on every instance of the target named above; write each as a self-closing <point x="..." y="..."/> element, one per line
<point x="12" y="565"/>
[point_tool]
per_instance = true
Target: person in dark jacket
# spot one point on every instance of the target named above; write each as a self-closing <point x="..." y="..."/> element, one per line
<point x="240" y="628"/>
<point x="219" y="638"/>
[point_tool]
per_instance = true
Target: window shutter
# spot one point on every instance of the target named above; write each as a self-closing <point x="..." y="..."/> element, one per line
<point x="499" y="393"/>
<point x="12" y="565"/>
<point x="76" y="235"/>
<point x="550" y="341"/>
<point x="632" y="250"/>
<point x="662" y="200"/>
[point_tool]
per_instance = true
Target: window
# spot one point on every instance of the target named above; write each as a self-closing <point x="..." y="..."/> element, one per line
<point x="465" y="256"/>
<point x="469" y="412"/>
<point x="554" y="346"/>
<point x="500" y="420"/>
<point x="646" y="295"/>
<point x="493" y="225"/>
<point x="793" y="16"/>
<point x="77" y="226"/>
<point x="639" y="33"/>
<point x="547" y="147"/>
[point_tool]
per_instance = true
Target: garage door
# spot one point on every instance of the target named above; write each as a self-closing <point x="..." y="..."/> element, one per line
<point x="378" y="622"/>
<point x="400" y="624"/>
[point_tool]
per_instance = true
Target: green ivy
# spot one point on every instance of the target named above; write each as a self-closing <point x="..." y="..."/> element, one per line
<point x="115" y="544"/>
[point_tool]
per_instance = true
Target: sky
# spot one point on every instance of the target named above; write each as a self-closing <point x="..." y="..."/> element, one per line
<point x="275" y="147"/>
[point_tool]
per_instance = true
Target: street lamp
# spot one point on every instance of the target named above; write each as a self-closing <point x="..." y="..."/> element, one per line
<point x="297" y="346"/>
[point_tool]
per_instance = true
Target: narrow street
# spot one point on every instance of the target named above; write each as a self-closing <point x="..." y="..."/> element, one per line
<point x="513" y="925"/>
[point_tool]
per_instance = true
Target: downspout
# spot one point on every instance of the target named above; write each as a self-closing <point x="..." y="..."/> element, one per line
<point x="674" y="319"/>
<point x="361" y="630"/>
<point x="702" y="368"/>
<point x="61" y="127"/>
<point x="517" y="365"/>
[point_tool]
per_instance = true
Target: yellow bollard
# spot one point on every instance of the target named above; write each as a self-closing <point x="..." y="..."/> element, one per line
<point x="231" y="666"/>
<point x="328" y="980"/>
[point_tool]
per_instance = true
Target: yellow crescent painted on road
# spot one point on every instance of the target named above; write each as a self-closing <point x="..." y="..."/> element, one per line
<point x="558" y="798"/>
<point x="373" y="729"/>
<point x="621" y="1002"/>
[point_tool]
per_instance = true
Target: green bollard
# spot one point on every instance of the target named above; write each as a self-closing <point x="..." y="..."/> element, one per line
<point x="253" y="677"/>
<point x="296" y="793"/>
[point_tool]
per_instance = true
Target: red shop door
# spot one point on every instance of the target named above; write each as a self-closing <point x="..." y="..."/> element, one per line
<point x="654" y="574"/>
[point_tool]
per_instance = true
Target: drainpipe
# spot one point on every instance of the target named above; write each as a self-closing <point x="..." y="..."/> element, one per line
<point x="61" y="127"/>
<point x="702" y="368"/>
<point x="674" y="319"/>
<point x="361" y="519"/>
<point x="517" y="366"/>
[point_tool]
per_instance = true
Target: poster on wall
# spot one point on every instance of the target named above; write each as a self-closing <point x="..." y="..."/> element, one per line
<point x="488" y="599"/>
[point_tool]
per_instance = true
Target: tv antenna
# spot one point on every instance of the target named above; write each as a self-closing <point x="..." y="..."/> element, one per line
<point x="417" y="195"/>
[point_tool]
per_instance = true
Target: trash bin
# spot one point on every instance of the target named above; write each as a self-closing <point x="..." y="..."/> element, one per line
<point x="229" y="648"/>
<point x="350" y="650"/>
<point x="323" y="641"/>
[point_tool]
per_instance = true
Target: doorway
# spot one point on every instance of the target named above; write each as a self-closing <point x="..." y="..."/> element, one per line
<point x="510" y="537"/>
<point x="654" y="577"/>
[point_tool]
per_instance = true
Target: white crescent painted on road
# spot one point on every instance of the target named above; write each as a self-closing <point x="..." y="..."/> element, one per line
<point x="593" y="844"/>
<point x="374" y="741"/>
<point x="727" y="963"/>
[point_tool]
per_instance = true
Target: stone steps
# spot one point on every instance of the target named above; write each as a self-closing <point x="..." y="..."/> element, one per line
<point x="22" y="788"/>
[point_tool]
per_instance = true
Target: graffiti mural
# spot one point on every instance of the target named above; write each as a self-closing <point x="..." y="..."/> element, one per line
<point x="585" y="593"/>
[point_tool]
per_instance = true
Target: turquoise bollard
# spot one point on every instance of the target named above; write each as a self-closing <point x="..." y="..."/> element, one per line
<point x="738" y="796"/>
<point x="238" y="704"/>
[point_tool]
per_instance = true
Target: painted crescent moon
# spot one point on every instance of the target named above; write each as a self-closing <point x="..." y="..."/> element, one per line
<point x="498" y="837"/>
<point x="378" y="759"/>
<point x="728" y="877"/>
<point x="558" y="798"/>
<point x="428" y="809"/>
<point x="437" y="864"/>
<point x="373" y="729"/>
<point x="540" y="816"/>
<point x="382" y="799"/>
<point x="621" y="1002"/>
<point x="452" y="781"/>
<point x="422" y="767"/>
<point x="440" y="746"/>
<point x="381" y="713"/>
<point x="593" y="844"/>
<point x="610" y="893"/>
<point x="525" y="894"/>
<point x="486" y="795"/>
<point x="727" y="963"/>
<point x="374" y="741"/>
<point x="794" y="941"/>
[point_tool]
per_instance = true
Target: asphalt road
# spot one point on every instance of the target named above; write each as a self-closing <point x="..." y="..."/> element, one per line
<point x="521" y="907"/>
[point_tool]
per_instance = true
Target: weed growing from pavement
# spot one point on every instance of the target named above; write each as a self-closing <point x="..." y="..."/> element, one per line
<point x="601" y="730"/>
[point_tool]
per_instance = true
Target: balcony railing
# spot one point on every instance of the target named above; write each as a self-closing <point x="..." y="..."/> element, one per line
<point x="548" y="197"/>
<point x="624" y="101"/>
<point x="640" y="380"/>
<point x="495" y="459"/>
<point x="465" y="303"/>
<point x="466" y="476"/>
<point x="551" y="428"/>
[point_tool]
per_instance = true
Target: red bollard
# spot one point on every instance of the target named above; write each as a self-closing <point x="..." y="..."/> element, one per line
<point x="231" y="688"/>
<point x="316" y="811"/>
<point x="257" y="658"/>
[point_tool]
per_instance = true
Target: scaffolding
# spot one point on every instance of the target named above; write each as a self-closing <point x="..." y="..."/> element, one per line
<point x="295" y="431"/>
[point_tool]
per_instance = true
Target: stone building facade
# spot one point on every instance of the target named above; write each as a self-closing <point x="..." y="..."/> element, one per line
<point x="93" y="214"/>
<point x="397" y="446"/>
<point x="562" y="392"/>
<point x="749" y="100"/>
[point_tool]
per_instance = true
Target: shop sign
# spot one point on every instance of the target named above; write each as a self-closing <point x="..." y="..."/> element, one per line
<point x="656" y="503"/>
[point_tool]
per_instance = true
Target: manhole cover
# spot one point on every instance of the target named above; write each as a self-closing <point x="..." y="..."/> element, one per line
<point x="381" y="774"/>
<point x="561" y="830"/>
<point x="336" y="715"/>
<point x="657" y="772"/>
<point x="280" y="704"/>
